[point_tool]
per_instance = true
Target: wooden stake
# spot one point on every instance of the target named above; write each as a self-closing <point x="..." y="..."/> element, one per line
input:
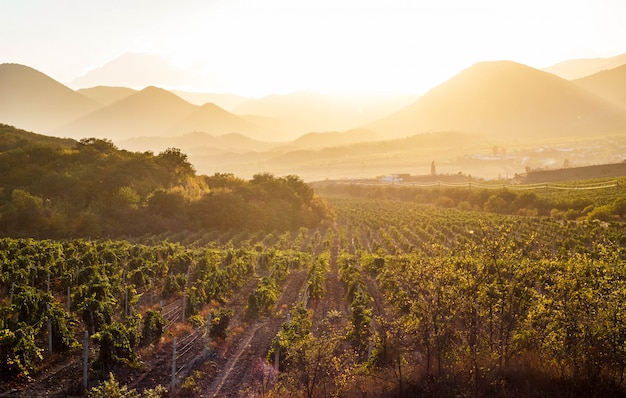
<point x="49" y="329"/>
<point x="208" y="334"/>
<point x="85" y="357"/>
<point x="277" y="353"/>
<point x="173" y="382"/>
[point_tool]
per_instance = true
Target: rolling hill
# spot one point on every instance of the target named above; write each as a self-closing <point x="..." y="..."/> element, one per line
<point x="34" y="101"/>
<point x="107" y="95"/>
<point x="225" y="101"/>
<point x="507" y="101"/>
<point x="13" y="138"/>
<point x="157" y="112"/>
<point x="197" y="143"/>
<point x="579" y="68"/>
<point x="150" y="111"/>
<point x="211" y="119"/>
<point x="608" y="84"/>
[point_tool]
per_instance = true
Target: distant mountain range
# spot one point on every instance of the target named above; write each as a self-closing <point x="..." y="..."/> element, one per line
<point x="149" y="111"/>
<point x="138" y="70"/>
<point x="489" y="104"/>
<point x="509" y="101"/>
<point x="579" y="68"/>
<point x="34" y="101"/>
<point x="155" y="112"/>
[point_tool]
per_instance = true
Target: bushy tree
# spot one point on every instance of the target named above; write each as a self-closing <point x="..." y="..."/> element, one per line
<point x="153" y="325"/>
<point x="118" y="343"/>
<point x="220" y="320"/>
<point x="263" y="298"/>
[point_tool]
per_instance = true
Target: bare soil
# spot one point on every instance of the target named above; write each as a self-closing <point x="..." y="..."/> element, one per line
<point x="231" y="368"/>
<point x="237" y="367"/>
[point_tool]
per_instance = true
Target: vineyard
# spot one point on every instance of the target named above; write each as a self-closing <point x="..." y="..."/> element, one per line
<point x="395" y="298"/>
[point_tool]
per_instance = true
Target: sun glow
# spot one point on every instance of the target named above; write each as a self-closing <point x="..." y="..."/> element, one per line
<point x="277" y="46"/>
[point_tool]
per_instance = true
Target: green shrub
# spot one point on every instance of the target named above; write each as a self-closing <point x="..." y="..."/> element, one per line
<point x="153" y="326"/>
<point x="111" y="389"/>
<point x="220" y="320"/>
<point x="263" y="298"/>
<point x="118" y="342"/>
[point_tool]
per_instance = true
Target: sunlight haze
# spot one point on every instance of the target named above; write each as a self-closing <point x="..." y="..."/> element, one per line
<point x="257" y="48"/>
<point x="313" y="198"/>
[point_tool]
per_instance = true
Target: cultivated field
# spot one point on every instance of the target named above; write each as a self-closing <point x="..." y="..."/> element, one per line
<point x="394" y="299"/>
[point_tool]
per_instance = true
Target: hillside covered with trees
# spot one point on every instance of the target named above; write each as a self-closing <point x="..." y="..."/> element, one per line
<point x="59" y="188"/>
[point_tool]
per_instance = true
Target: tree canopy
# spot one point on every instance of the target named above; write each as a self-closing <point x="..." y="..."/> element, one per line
<point x="91" y="188"/>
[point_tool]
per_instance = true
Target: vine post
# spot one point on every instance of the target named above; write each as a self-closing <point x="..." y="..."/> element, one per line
<point x="49" y="329"/>
<point x="208" y="334"/>
<point x="85" y="357"/>
<point x="277" y="353"/>
<point x="173" y="381"/>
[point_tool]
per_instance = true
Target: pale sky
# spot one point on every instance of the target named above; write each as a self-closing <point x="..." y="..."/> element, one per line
<point x="258" y="47"/>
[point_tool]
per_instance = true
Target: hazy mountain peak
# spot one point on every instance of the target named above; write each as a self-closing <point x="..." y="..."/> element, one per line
<point x="18" y="69"/>
<point x="147" y="112"/>
<point x="507" y="100"/>
<point x="210" y="118"/>
<point x="157" y="97"/>
<point x="209" y="106"/>
<point x="141" y="70"/>
<point x="32" y="100"/>
<point x="154" y="90"/>
<point x="494" y="72"/>
<point x="17" y="77"/>
<point x="107" y="95"/>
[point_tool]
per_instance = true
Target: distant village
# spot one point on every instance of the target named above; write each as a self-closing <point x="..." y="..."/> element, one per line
<point x="530" y="177"/>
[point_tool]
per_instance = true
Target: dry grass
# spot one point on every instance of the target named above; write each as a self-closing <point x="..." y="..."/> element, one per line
<point x="178" y="329"/>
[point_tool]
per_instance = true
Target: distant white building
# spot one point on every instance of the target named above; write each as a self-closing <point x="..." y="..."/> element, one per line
<point x="391" y="178"/>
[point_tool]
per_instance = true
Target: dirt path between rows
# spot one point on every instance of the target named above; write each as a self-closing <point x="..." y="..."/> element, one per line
<point x="63" y="373"/>
<point x="231" y="369"/>
<point x="334" y="298"/>
<point x="238" y="374"/>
